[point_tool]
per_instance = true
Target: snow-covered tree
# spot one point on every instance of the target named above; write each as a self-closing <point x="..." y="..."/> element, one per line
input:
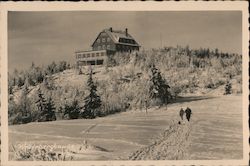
<point x="40" y="103"/>
<point x="24" y="106"/>
<point x="72" y="111"/>
<point x="46" y="108"/>
<point x="228" y="88"/>
<point x="49" y="112"/>
<point x="92" y="101"/>
<point x="159" y="87"/>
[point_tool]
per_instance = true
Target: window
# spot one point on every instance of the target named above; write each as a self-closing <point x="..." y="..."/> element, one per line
<point x="93" y="54"/>
<point x="102" y="54"/>
<point x="83" y="55"/>
<point x="108" y="39"/>
<point x="99" y="62"/>
<point x="97" y="54"/>
<point x="103" y="47"/>
<point x="98" y="40"/>
<point x="99" y="48"/>
<point x="103" y="40"/>
<point x="88" y="55"/>
<point x="108" y="46"/>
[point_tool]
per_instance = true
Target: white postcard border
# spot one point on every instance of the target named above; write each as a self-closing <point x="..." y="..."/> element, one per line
<point x="123" y="6"/>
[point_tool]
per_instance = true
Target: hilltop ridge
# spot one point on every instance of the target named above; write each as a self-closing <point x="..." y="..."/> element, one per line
<point x="123" y="83"/>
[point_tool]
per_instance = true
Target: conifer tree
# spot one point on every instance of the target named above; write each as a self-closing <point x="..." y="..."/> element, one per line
<point x="228" y="88"/>
<point x="41" y="104"/>
<point x="40" y="77"/>
<point x="14" y="114"/>
<point x="27" y="82"/>
<point x="20" y="82"/>
<point x="49" y="112"/>
<point x="24" y="106"/>
<point x="72" y="110"/>
<point x="159" y="87"/>
<point x="92" y="101"/>
<point x="24" y="100"/>
<point x="45" y="107"/>
<point x="10" y="89"/>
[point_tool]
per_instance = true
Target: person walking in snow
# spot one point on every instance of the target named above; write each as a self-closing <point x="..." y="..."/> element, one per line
<point x="188" y="112"/>
<point x="181" y="113"/>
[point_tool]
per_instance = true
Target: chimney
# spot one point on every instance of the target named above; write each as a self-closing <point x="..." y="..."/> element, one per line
<point x="126" y="30"/>
<point x="110" y="29"/>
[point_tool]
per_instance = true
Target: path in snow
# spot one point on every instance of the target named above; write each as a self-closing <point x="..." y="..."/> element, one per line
<point x="171" y="144"/>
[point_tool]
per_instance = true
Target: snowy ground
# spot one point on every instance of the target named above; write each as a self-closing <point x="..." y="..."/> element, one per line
<point x="215" y="132"/>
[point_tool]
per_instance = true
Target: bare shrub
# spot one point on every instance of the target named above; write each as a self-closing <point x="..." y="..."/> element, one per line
<point x="34" y="152"/>
<point x="54" y="152"/>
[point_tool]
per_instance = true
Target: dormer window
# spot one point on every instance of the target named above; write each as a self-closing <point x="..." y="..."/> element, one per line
<point x="108" y="39"/>
<point x="103" y="40"/>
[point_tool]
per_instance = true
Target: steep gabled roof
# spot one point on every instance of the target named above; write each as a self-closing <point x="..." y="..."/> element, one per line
<point x="116" y="35"/>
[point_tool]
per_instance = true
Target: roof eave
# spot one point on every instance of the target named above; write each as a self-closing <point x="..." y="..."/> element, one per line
<point x="97" y="38"/>
<point x="137" y="45"/>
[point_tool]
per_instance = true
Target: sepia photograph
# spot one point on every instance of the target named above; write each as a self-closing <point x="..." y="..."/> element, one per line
<point x="125" y="85"/>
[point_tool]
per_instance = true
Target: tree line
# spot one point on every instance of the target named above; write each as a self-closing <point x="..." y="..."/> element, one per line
<point x="34" y="75"/>
<point x="92" y="107"/>
<point x="139" y="92"/>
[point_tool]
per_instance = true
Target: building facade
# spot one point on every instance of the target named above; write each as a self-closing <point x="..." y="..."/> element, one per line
<point x="108" y="42"/>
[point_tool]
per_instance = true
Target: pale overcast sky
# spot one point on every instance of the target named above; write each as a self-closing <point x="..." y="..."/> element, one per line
<point x="43" y="37"/>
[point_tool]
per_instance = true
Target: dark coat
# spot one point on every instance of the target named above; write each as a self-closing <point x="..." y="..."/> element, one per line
<point x="188" y="112"/>
<point x="181" y="113"/>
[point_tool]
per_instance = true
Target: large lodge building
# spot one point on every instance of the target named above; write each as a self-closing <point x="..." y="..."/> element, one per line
<point x="108" y="42"/>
